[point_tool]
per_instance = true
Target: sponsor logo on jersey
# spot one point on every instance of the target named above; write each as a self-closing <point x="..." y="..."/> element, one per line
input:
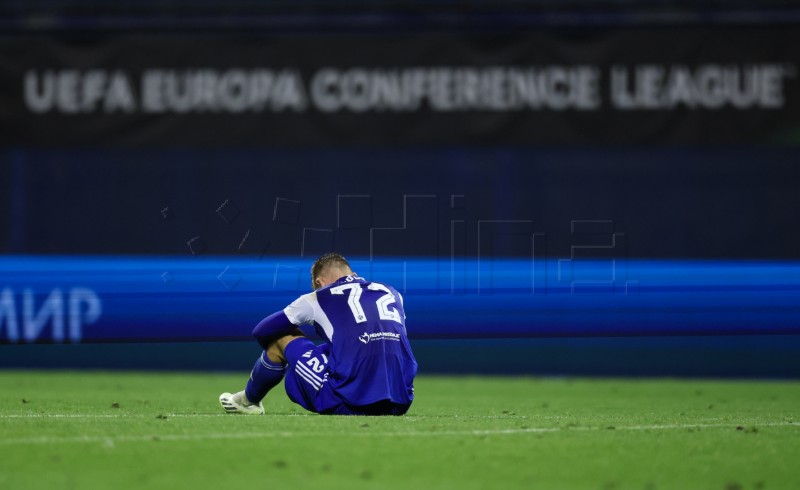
<point x="366" y="338"/>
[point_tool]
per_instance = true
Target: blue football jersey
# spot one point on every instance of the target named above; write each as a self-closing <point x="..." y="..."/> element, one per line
<point x="364" y="323"/>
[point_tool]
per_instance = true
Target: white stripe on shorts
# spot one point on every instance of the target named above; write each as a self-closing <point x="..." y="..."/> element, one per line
<point x="314" y="383"/>
<point x="309" y="374"/>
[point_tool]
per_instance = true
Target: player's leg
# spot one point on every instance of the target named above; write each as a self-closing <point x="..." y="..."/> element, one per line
<point x="306" y="374"/>
<point x="277" y="349"/>
<point x="263" y="377"/>
<point x="267" y="372"/>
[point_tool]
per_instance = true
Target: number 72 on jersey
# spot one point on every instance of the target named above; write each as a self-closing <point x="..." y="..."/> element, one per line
<point x="354" y="301"/>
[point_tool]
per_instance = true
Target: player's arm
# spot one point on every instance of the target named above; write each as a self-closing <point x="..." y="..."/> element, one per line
<point x="275" y="326"/>
<point x="284" y="322"/>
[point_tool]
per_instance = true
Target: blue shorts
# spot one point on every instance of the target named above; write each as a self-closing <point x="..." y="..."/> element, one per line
<point x="307" y="384"/>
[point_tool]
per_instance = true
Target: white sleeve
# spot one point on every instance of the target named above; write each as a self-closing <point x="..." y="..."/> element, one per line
<point x="301" y="311"/>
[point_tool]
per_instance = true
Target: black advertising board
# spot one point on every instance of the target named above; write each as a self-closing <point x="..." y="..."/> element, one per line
<point x="673" y="86"/>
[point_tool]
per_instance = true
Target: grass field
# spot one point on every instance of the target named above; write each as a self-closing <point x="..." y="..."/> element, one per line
<point x="79" y="430"/>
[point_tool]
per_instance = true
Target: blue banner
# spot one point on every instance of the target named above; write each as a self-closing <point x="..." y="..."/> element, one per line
<point x="132" y="299"/>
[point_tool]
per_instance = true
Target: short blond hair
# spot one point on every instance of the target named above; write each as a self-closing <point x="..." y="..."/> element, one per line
<point x="325" y="261"/>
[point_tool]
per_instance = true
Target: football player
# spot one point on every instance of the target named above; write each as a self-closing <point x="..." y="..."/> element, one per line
<point x="364" y="366"/>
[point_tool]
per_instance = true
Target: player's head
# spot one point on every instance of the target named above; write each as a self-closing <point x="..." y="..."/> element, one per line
<point x="328" y="269"/>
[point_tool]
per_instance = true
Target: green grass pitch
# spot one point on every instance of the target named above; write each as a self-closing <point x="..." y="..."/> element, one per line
<point x="88" y="430"/>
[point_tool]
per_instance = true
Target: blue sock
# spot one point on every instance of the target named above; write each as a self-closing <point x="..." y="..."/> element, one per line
<point x="265" y="375"/>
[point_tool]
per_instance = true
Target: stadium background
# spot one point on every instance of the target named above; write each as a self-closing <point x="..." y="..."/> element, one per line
<point x="544" y="239"/>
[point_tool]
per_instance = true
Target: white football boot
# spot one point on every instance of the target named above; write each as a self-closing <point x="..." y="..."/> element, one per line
<point x="238" y="403"/>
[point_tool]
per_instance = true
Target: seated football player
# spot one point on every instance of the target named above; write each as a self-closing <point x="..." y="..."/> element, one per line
<point x="364" y="366"/>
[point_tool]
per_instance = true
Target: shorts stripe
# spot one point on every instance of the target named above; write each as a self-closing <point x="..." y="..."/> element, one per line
<point x="309" y="374"/>
<point x="316" y="384"/>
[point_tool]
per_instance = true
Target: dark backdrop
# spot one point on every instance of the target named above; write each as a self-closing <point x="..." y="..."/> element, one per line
<point x="727" y="202"/>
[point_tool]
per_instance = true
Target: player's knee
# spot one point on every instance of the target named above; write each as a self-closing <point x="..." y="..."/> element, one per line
<point x="275" y="349"/>
<point x="275" y="352"/>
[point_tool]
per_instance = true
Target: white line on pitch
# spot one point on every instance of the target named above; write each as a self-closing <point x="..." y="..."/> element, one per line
<point x="110" y="441"/>
<point x="414" y="418"/>
<point x="193" y="415"/>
